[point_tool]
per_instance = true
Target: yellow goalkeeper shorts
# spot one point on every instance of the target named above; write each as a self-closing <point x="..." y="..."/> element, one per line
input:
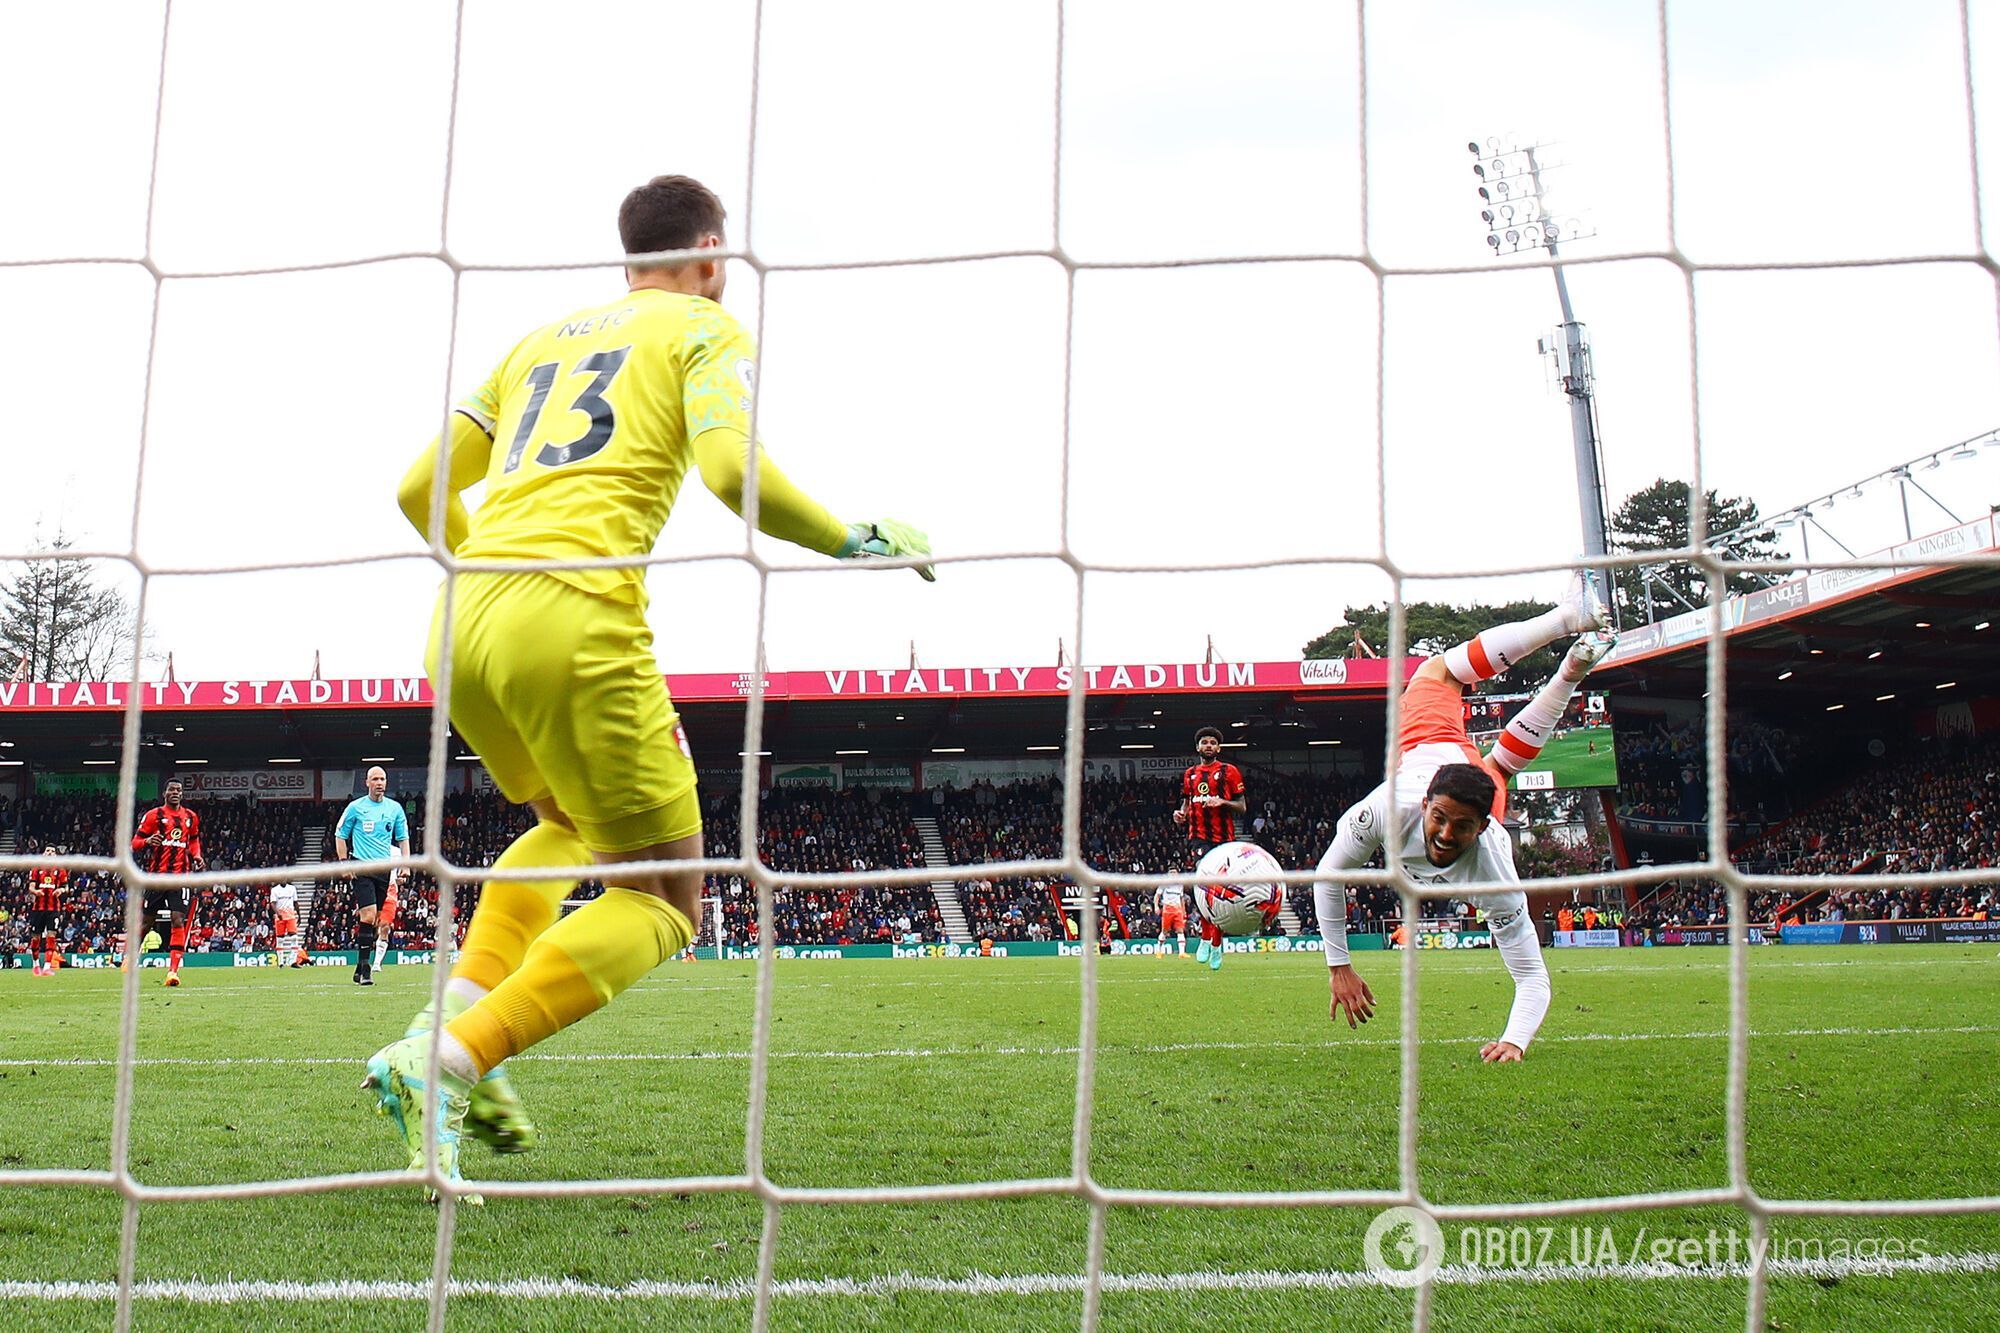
<point x="560" y="693"/>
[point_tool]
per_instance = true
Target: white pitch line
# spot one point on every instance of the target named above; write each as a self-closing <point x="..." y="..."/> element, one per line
<point x="938" y="1052"/>
<point x="231" y="1292"/>
<point x="195" y="990"/>
<point x="1715" y="960"/>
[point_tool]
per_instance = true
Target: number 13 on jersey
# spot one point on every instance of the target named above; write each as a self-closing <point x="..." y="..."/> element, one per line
<point x="602" y="367"/>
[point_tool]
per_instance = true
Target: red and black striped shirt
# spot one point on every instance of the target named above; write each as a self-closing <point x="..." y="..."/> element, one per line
<point x="180" y="840"/>
<point x="47" y="884"/>
<point x="1211" y="823"/>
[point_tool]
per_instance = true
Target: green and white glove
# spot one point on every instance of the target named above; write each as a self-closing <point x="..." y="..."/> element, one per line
<point x="886" y="539"/>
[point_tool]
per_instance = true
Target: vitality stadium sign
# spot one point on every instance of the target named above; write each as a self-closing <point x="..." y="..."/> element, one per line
<point x="210" y="695"/>
<point x="1134" y="678"/>
<point x="848" y="683"/>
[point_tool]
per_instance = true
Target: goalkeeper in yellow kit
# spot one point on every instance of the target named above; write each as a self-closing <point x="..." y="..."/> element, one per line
<point x="583" y="436"/>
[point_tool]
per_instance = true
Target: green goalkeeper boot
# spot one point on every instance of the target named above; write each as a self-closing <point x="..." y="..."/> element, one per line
<point x="494" y="1114"/>
<point x="396" y="1078"/>
<point x="496" y="1118"/>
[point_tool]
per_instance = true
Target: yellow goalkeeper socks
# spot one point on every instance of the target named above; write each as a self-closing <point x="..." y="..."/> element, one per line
<point x="572" y="970"/>
<point x="513" y="913"/>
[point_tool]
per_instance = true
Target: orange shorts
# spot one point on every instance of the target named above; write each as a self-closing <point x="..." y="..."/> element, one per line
<point x="1434" y="714"/>
<point x="1173" y="918"/>
<point x="387" y="916"/>
<point x="287" y="923"/>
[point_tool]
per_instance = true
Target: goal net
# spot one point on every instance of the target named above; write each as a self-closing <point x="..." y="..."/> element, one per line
<point x="1018" y="216"/>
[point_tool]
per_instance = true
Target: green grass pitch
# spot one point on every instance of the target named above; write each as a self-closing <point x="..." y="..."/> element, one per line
<point x="1568" y="756"/>
<point x="1872" y="1075"/>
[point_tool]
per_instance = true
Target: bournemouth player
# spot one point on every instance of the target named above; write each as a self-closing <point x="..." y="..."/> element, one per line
<point x="168" y="842"/>
<point x="285" y="925"/>
<point x="46" y="886"/>
<point x="1170" y="902"/>
<point x="583" y="437"/>
<point x="1211" y="798"/>
<point x="372" y="828"/>
<point x="1449" y="799"/>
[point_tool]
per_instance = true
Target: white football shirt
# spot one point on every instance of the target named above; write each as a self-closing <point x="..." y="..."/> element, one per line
<point x="1490" y="860"/>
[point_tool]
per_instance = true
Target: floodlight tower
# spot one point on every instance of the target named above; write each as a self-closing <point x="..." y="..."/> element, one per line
<point x="1511" y="204"/>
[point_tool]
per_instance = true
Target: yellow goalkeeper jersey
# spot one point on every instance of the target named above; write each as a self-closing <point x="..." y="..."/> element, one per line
<point x="593" y="420"/>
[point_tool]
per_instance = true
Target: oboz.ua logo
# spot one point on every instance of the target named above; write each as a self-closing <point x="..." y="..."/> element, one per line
<point x="1402" y="1246"/>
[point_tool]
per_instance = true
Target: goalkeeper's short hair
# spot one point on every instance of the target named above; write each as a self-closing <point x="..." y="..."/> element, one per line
<point x="669" y="213"/>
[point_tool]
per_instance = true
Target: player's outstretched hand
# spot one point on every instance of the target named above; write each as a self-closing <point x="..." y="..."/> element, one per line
<point x="1352" y="993"/>
<point x="199" y="863"/>
<point x="1500" y="1053"/>
<point x="887" y="539"/>
<point x="1180" y="815"/>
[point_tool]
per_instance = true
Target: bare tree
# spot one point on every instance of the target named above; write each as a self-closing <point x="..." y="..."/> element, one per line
<point x="66" y="622"/>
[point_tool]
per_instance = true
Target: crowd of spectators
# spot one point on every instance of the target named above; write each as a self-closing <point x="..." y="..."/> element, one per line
<point x="1127" y="828"/>
<point x="83" y="824"/>
<point x="95" y="918"/>
<point x="1663" y="769"/>
<point x="1693" y="901"/>
<point x="811" y="831"/>
<point x="1935" y="811"/>
<point x="1018" y="821"/>
<point x="801" y="831"/>
<point x="1938" y="810"/>
<point x="236" y="834"/>
<point x="1932" y="812"/>
<point x="477" y="828"/>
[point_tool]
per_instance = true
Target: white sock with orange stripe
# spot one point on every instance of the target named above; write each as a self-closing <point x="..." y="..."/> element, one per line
<point x="1498" y="649"/>
<point x="1530" y="729"/>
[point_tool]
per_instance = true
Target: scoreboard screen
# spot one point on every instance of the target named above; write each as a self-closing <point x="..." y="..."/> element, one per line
<point x="1583" y="752"/>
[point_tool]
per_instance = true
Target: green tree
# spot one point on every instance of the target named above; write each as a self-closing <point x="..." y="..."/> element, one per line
<point x="1656" y="519"/>
<point x="60" y="617"/>
<point x="1431" y="628"/>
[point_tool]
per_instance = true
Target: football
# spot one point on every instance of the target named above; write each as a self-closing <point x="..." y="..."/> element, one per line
<point x="1233" y="890"/>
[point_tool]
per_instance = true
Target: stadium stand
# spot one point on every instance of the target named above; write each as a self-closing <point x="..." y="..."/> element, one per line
<point x="1014" y="822"/>
<point x="809" y="831"/>
<point x="1663" y="770"/>
<point x="236" y="834"/>
<point x="1929" y="811"/>
<point x="1934" y="811"/>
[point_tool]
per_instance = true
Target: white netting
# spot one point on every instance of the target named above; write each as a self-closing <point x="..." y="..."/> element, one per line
<point x="1080" y="1182"/>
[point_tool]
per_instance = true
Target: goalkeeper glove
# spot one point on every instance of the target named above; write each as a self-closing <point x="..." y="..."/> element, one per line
<point x="886" y="539"/>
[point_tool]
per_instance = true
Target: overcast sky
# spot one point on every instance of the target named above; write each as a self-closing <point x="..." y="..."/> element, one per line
<point x="1216" y="413"/>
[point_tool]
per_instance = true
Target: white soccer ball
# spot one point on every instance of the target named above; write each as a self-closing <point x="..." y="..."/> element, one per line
<point x="1234" y="892"/>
